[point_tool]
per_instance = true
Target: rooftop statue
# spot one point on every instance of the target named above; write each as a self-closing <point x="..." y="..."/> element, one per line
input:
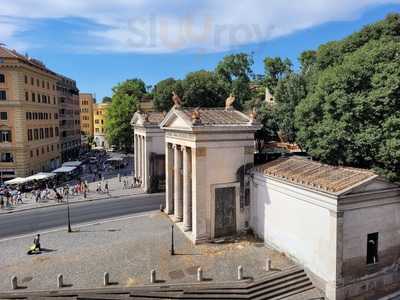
<point x="176" y="99"/>
<point x="229" y="102"/>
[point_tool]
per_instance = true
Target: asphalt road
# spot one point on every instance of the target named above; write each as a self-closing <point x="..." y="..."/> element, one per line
<point x="42" y="219"/>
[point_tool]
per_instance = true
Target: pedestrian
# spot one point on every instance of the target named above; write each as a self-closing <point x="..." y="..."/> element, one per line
<point x="125" y="185"/>
<point x="19" y="198"/>
<point x="1" y="202"/>
<point x="98" y="187"/>
<point x="106" y="188"/>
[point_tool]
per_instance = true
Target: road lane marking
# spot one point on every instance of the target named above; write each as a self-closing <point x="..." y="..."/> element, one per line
<point x="81" y="225"/>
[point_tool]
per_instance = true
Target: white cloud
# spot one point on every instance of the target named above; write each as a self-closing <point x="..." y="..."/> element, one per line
<point x="155" y="26"/>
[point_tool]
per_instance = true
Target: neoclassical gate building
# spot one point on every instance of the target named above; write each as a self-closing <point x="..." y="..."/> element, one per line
<point x="149" y="149"/>
<point x="206" y="149"/>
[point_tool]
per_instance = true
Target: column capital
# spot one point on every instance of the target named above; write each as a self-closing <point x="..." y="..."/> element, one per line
<point x="175" y="146"/>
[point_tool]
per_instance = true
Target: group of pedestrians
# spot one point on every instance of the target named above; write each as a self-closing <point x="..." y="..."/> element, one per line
<point x="10" y="198"/>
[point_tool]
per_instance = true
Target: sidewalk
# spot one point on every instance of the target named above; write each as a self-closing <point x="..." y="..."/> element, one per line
<point x="115" y="187"/>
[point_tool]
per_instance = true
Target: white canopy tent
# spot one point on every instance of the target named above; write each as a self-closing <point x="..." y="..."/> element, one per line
<point x="18" y="180"/>
<point x="72" y="164"/>
<point x="40" y="176"/>
<point x="64" y="170"/>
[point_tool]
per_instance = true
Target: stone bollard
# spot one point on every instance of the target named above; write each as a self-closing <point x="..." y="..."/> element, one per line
<point x="60" y="281"/>
<point x="14" y="282"/>
<point x="240" y="273"/>
<point x="268" y="265"/>
<point x="153" y="276"/>
<point x="106" y="279"/>
<point x="199" y="274"/>
<point x="161" y="207"/>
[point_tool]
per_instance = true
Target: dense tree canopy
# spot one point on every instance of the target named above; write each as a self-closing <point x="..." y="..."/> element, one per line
<point x="162" y="93"/>
<point x="235" y="73"/>
<point x="202" y="88"/>
<point x="351" y="115"/>
<point x="125" y="100"/>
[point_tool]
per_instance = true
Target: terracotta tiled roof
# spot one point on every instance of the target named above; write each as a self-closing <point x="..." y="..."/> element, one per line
<point x="217" y="116"/>
<point x="315" y="175"/>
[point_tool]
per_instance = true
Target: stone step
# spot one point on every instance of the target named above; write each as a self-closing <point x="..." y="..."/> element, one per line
<point x="285" y="292"/>
<point x="279" y="283"/>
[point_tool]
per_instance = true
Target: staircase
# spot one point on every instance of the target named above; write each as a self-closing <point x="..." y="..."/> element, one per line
<point x="291" y="283"/>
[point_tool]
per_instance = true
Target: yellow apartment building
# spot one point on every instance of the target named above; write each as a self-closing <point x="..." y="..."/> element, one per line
<point x="29" y="121"/>
<point x="99" y="118"/>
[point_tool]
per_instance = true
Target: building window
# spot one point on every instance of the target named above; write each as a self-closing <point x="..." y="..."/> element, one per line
<point x="31" y="153"/>
<point x="56" y="131"/>
<point x="38" y="98"/>
<point x="5" y="136"/>
<point x="32" y="81"/>
<point x="26" y="79"/>
<point x="33" y="97"/>
<point x="3" y="115"/>
<point x="96" y="121"/>
<point x="372" y="248"/>
<point x="3" y="95"/>
<point x="26" y="96"/>
<point x="37" y="152"/>
<point x="6" y="157"/>
<point x="36" y="134"/>
<point x="2" y="78"/>
<point x="38" y="82"/>
<point x="29" y="134"/>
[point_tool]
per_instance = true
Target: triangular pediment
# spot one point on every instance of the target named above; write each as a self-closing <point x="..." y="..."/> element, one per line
<point x="377" y="184"/>
<point x="175" y="120"/>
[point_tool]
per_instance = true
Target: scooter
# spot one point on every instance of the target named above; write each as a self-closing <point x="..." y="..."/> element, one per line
<point x="33" y="250"/>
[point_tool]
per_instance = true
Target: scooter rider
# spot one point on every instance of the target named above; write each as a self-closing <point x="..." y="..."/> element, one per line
<point x="36" y="242"/>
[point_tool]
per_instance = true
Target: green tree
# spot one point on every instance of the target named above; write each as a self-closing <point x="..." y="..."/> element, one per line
<point x="202" y="88"/>
<point x="267" y="116"/>
<point x="275" y="70"/>
<point x="235" y="72"/>
<point x="288" y="94"/>
<point x="351" y="116"/>
<point x="125" y="101"/>
<point x="162" y="93"/>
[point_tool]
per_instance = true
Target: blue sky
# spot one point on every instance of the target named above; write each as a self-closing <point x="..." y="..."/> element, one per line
<point x="99" y="44"/>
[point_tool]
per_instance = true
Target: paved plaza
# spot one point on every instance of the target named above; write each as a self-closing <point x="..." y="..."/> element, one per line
<point x="128" y="248"/>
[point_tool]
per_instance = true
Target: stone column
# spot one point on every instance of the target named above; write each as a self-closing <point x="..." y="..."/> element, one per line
<point x="178" y="205"/>
<point x="169" y="179"/>
<point x="187" y="189"/>
<point x="143" y="162"/>
<point x="136" y="155"/>
<point x="139" y="155"/>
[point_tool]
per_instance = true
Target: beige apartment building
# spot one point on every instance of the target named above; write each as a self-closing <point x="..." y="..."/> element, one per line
<point x="99" y="118"/>
<point x="69" y="114"/>
<point x="29" y="121"/>
<point x="87" y="102"/>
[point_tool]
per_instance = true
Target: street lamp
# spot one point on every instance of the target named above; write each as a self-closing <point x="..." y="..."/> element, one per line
<point x="68" y="213"/>
<point x="172" y="251"/>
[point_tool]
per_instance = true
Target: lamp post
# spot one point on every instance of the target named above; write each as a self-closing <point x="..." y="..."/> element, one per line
<point x="172" y="251"/>
<point x="68" y="213"/>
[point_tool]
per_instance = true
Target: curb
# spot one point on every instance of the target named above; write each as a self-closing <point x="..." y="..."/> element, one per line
<point x="83" y="201"/>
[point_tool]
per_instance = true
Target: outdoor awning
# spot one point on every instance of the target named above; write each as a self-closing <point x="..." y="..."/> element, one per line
<point x="72" y="164"/>
<point x="40" y="176"/>
<point x="64" y="170"/>
<point x="18" y="180"/>
<point x="115" y="159"/>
